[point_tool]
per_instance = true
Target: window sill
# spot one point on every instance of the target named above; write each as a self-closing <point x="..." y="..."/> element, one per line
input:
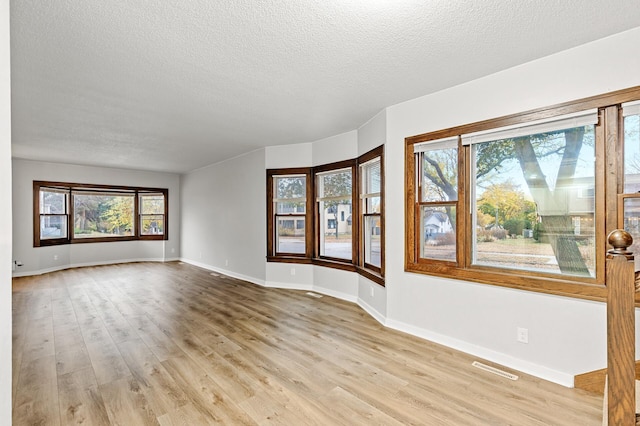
<point x="371" y="275"/>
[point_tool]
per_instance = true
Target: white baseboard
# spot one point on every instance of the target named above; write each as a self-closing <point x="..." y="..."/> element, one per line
<point x="288" y="286"/>
<point x="17" y="274"/>
<point x="372" y="311"/>
<point x="510" y="362"/>
<point x="224" y="272"/>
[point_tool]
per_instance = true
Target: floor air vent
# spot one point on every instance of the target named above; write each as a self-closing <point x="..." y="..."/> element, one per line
<point x="312" y="294"/>
<point x="494" y="370"/>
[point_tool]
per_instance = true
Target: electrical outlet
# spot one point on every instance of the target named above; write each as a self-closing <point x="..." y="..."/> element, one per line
<point x="55" y="257"/>
<point x="226" y="262"/>
<point x="523" y="335"/>
<point x="173" y="250"/>
<point x="372" y="292"/>
<point x="293" y="271"/>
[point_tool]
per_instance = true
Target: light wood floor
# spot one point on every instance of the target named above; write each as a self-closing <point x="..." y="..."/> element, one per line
<point x="170" y="344"/>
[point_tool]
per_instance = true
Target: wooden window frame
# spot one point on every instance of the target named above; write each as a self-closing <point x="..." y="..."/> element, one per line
<point x="372" y="272"/>
<point x="312" y="222"/>
<point x="609" y="177"/>
<point x="141" y="215"/>
<point x="77" y="188"/>
<point x="348" y="264"/>
<point x="272" y="254"/>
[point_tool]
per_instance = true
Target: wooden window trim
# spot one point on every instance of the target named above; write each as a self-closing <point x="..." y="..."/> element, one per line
<point x="79" y="187"/>
<point x="608" y="176"/>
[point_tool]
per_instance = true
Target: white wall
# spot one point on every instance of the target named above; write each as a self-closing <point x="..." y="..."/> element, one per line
<point x="224" y="217"/>
<point x="566" y="336"/>
<point x="5" y="216"/>
<point x="43" y="259"/>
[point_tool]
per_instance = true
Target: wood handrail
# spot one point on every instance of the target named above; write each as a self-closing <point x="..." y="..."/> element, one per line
<point x="620" y="331"/>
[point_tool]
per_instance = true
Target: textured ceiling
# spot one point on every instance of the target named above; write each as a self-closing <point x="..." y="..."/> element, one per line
<point x="174" y="85"/>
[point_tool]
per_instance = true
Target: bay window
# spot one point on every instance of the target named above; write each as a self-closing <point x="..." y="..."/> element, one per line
<point x="330" y="215"/>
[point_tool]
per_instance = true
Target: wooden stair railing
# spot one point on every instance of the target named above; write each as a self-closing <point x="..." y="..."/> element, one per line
<point x="621" y="360"/>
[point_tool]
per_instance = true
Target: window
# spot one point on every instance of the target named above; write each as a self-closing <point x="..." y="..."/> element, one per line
<point x="438" y="198"/>
<point x="102" y="215"/>
<point x="290" y="230"/>
<point x="334" y="189"/>
<point x="531" y="178"/>
<point x="629" y="205"/>
<point x="371" y="211"/>
<point x="74" y="213"/>
<point x="151" y="214"/>
<point x="314" y="217"/>
<point x="522" y="201"/>
<point x="54" y="213"/>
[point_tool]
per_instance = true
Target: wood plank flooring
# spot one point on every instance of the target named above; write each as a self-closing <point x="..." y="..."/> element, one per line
<point x="172" y="344"/>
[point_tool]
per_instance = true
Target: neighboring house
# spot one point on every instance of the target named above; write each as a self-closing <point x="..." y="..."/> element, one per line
<point x="436" y="222"/>
<point x="338" y="217"/>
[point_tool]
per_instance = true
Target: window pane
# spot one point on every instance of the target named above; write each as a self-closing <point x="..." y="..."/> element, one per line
<point x="290" y="237"/>
<point x="372" y="205"/>
<point x="632" y="153"/>
<point x="440" y="175"/>
<point x="53" y="227"/>
<point x="152" y="204"/>
<point x="534" y="202"/>
<point x="53" y="202"/>
<point x="371" y="177"/>
<point x="437" y="224"/>
<point x="290" y="187"/>
<point x="152" y="225"/>
<point x="334" y="192"/>
<point x="288" y="207"/>
<point x="632" y="225"/>
<point x="372" y="246"/>
<point x="99" y="216"/>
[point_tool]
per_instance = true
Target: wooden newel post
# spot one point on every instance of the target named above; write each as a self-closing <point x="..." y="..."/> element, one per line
<point x="621" y="357"/>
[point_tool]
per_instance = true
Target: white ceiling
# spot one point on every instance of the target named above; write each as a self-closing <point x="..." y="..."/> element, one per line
<point x="174" y="85"/>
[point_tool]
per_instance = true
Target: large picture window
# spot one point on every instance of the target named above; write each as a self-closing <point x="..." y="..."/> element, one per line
<point x="438" y="197"/>
<point x="314" y="215"/>
<point x="74" y="213"/>
<point x="102" y="215"/>
<point x="528" y="207"/>
<point x="525" y="201"/>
